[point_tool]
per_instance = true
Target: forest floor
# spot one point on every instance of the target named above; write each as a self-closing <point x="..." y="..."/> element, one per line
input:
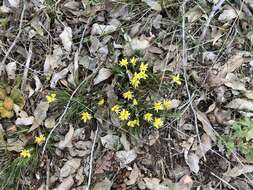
<point x="126" y="94"/>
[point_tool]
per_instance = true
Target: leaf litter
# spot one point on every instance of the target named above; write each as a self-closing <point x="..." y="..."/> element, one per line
<point x="73" y="47"/>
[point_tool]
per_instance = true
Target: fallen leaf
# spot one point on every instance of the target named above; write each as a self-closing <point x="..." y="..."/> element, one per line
<point x="124" y="141"/>
<point x="249" y="94"/>
<point x="66" y="38"/>
<point x="58" y="76"/>
<point x="70" y="167"/>
<point x="126" y="157"/>
<point x="67" y="140"/>
<point x="135" y="173"/>
<point x="139" y="43"/>
<point x="99" y="29"/>
<point x="40" y="114"/>
<point x="49" y="122"/>
<point x="66" y="184"/>
<point x="79" y="176"/>
<point x="233" y="82"/>
<point x="11" y="70"/>
<point x="103" y="74"/>
<point x="229" y="13"/>
<point x="239" y="170"/>
<point x="154" y="184"/>
<point x="185" y="183"/>
<point x="230" y="66"/>
<point x="206" y="125"/>
<point x="38" y="84"/>
<point x="105" y="163"/>
<point x="103" y="185"/>
<point x="194" y="14"/>
<point x="24" y="121"/>
<point x="110" y="141"/>
<point x="241" y="104"/>
<point x="155" y="5"/>
<point x="205" y="146"/>
<point x="53" y="61"/>
<point x="192" y="161"/>
<point x="17" y="145"/>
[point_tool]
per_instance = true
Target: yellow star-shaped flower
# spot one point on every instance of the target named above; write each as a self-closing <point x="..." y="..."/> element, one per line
<point x="167" y="104"/>
<point x="128" y="95"/>
<point x="40" y="139"/>
<point x="143" y="67"/>
<point x="86" y="117"/>
<point x="133" y="61"/>
<point x="177" y="79"/>
<point x="158" y="106"/>
<point x="25" y="153"/>
<point x="148" y="117"/>
<point x="123" y="62"/>
<point x="124" y="115"/>
<point x="115" y="109"/>
<point x="51" y="98"/>
<point x="157" y="123"/>
<point x="101" y="102"/>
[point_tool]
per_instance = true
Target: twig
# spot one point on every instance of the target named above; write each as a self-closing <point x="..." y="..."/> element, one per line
<point x="222" y="180"/>
<point x="184" y="61"/>
<point x="48" y="175"/>
<point x="76" y="56"/>
<point x="215" y="8"/>
<point x="91" y="159"/>
<point x="2" y="64"/>
<point x="27" y="65"/>
<point x="66" y="109"/>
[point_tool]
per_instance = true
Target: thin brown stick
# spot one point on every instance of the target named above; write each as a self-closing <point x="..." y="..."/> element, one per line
<point x="27" y="65"/>
<point x="2" y="64"/>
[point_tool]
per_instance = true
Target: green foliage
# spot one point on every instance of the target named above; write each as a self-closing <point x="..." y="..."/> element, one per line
<point x="240" y="138"/>
<point x="12" y="170"/>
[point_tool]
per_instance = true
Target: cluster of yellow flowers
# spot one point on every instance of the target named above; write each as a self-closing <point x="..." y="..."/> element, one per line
<point x="26" y="153"/>
<point x="137" y="76"/>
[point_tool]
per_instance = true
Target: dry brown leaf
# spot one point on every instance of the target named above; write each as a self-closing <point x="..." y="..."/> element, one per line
<point x="70" y="167"/>
<point x="103" y="74"/>
<point x="105" y="163"/>
<point x="241" y="104"/>
<point x="103" y="185"/>
<point x="155" y="5"/>
<point x="249" y="94"/>
<point x="110" y="141"/>
<point x="135" y="173"/>
<point x="206" y="125"/>
<point x="154" y="184"/>
<point x="185" y="183"/>
<point x="66" y="184"/>
<point x="230" y="66"/>
<point x="233" y="82"/>
<point x="229" y="13"/>
<point x="192" y="161"/>
<point x="66" y="38"/>
<point x="67" y="140"/>
<point x="126" y="157"/>
<point x="239" y="170"/>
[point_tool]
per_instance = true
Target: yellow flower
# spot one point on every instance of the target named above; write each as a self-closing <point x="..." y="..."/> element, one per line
<point x="135" y="102"/>
<point x="177" y="79"/>
<point x="133" y="123"/>
<point x="148" y="117"/>
<point x="123" y="62"/>
<point x="157" y="123"/>
<point x="128" y="95"/>
<point x="101" y="102"/>
<point x="167" y="104"/>
<point x="133" y="61"/>
<point x="124" y="115"/>
<point x="40" y="139"/>
<point x="115" y="109"/>
<point x="135" y="81"/>
<point x="143" y="67"/>
<point x="25" y="153"/>
<point x="142" y="75"/>
<point x="51" y="98"/>
<point x="86" y="117"/>
<point x="158" y="106"/>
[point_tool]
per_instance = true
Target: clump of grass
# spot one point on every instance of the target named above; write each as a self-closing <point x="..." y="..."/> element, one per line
<point x="239" y="139"/>
<point x="12" y="170"/>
